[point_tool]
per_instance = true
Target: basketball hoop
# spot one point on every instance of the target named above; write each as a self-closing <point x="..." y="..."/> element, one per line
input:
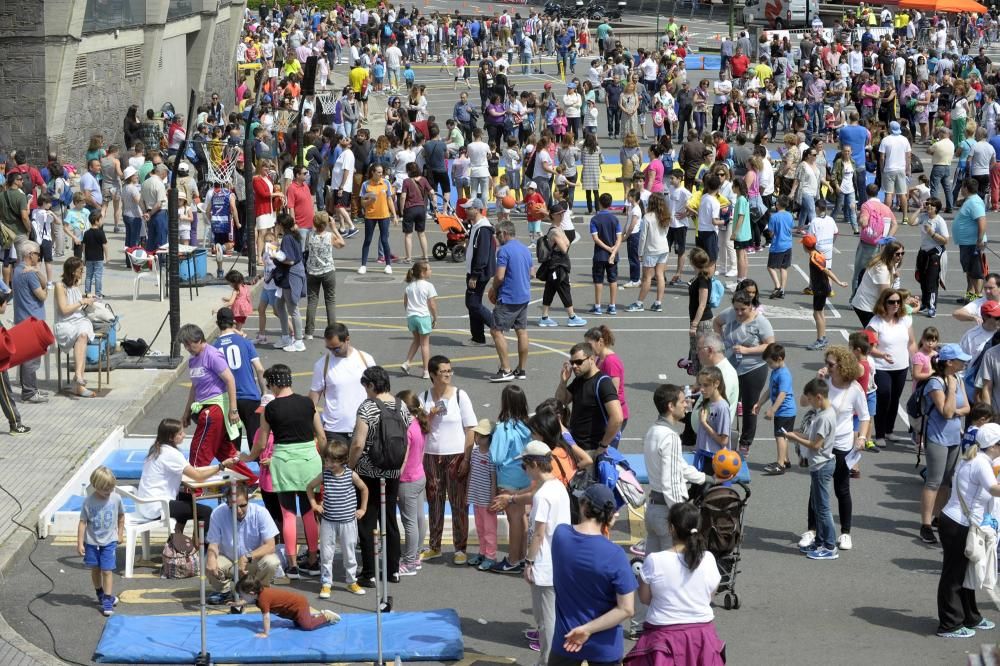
<point x="328" y="102"/>
<point x="222" y="172"/>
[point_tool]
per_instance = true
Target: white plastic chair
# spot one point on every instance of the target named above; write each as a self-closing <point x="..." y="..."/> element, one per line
<point x="135" y="525"/>
<point x="147" y="267"/>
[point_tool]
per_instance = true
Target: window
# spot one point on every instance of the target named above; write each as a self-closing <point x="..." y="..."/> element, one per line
<point x="81" y="76"/>
<point x="133" y="61"/>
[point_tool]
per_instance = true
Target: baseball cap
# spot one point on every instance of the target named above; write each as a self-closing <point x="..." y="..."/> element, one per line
<point x="571" y="86"/>
<point x="990" y="309"/>
<point x="474" y="203"/>
<point x="548" y="85"/>
<point x="809" y="241"/>
<point x="894" y="127"/>
<point x="532" y="185"/>
<point x="871" y="335"/>
<point x="224" y="317"/>
<point x="534" y="449"/>
<point x="264" y="399"/>
<point x="560" y="207"/>
<point x="129" y="172"/>
<point x="484" y="427"/>
<point x="597" y="495"/>
<point x="182" y="167"/>
<point x="988" y="435"/>
<point x="952" y="352"/>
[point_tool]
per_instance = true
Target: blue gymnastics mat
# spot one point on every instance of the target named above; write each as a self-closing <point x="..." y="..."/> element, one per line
<point x="433" y="635"/>
<point x="638" y="465"/>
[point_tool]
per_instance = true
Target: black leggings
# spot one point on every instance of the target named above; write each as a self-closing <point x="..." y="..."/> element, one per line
<point x="842" y="489"/>
<point x="864" y="317"/>
<point x="368" y="522"/>
<point x="559" y="286"/>
<point x="273" y="507"/>
<point x="181" y="511"/>
<point x="596" y="194"/>
<point x="751" y="384"/>
<point x="250" y="419"/>
<point x="890" y="385"/>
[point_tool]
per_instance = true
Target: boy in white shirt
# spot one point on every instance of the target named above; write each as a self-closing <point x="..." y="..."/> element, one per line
<point x="677" y="233"/>
<point x="825" y="230"/>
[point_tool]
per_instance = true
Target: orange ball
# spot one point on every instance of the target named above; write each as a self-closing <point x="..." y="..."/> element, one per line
<point x="726" y="464"/>
<point x="508" y="202"/>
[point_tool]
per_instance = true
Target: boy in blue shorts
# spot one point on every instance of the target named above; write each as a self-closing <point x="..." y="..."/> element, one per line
<point x="782" y="412"/>
<point x="102" y="522"/>
<point x="779" y="257"/>
<point x="606" y="231"/>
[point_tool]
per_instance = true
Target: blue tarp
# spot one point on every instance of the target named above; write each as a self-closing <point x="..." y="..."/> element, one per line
<point x="433" y="635"/>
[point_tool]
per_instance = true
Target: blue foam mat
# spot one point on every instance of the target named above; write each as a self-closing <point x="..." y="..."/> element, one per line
<point x="638" y="465"/>
<point x="432" y="635"/>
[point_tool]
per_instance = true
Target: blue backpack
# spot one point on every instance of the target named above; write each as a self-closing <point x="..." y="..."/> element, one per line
<point x="715" y="294"/>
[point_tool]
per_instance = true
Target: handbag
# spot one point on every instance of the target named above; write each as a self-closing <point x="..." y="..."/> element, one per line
<point x="100" y="313"/>
<point x="975" y="541"/>
<point x="180" y="558"/>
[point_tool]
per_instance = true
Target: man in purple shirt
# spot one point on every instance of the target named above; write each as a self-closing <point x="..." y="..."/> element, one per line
<point x="213" y="398"/>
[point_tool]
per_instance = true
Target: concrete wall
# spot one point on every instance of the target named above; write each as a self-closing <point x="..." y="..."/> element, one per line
<point x="40" y="41"/>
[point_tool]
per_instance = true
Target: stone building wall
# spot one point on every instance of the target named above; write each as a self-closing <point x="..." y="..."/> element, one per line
<point x="22" y="73"/>
<point x="99" y="106"/>
<point x="220" y="75"/>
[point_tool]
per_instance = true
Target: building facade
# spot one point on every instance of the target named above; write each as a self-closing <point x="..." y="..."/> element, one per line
<point x="70" y="68"/>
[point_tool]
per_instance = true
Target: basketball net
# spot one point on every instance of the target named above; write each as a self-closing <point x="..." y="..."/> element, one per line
<point x="328" y="103"/>
<point x="222" y="172"/>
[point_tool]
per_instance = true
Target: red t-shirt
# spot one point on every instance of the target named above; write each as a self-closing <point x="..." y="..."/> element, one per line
<point x="534" y="202"/>
<point x="282" y="603"/>
<point x="299" y="198"/>
<point x="739" y="65"/>
<point x="866" y="376"/>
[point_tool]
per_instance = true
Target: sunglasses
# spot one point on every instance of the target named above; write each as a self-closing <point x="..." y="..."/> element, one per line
<point x="899" y="254"/>
<point x="577" y="361"/>
<point x="893" y="301"/>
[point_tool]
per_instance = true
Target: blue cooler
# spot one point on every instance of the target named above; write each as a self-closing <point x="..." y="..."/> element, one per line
<point x="102" y="348"/>
<point x="194" y="266"/>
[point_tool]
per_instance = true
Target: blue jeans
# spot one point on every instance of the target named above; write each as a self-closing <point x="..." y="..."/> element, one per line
<point x="634" y="267"/>
<point x="383" y="240"/>
<point x="156" y="231"/>
<point x="941" y="177"/>
<point x="95" y="277"/>
<point x="807" y="209"/>
<point x="845" y="202"/>
<point x="816" y="117"/>
<point x="819" y="504"/>
<point x="133" y="228"/>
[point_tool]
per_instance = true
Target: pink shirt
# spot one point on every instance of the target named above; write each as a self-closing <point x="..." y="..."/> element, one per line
<point x="414" y="468"/>
<point x="877" y="212"/>
<point x="612" y="366"/>
<point x="656" y="168"/>
<point x="923" y="361"/>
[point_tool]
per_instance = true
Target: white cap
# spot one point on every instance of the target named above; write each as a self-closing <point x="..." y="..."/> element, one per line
<point x="988" y="435"/>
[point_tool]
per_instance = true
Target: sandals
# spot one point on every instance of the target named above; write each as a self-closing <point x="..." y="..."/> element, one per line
<point x="84" y="392"/>
<point x="675" y="280"/>
<point x="80" y="381"/>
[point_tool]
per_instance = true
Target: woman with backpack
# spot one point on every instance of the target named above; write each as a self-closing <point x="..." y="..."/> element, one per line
<point x="944" y="401"/>
<point x="554" y="268"/>
<point x="746" y="333"/>
<point x="379" y="435"/>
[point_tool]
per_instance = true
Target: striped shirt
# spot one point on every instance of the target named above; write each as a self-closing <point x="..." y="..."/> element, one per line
<point x="370" y="414"/>
<point x="668" y="472"/>
<point x="340" y="500"/>
<point x="480" y="478"/>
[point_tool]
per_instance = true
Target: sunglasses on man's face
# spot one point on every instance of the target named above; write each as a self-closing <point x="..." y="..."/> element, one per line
<point x="577" y="361"/>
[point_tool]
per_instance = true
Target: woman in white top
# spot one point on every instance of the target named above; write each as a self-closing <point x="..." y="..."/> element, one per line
<point x="404" y="156"/>
<point x="654" y="252"/>
<point x="678" y="585"/>
<point x="447" y="452"/>
<point x="162" y="472"/>
<point x="974" y="486"/>
<point x="806" y="187"/>
<point x="881" y="273"/>
<point x="841" y="371"/>
<point x="891" y="358"/>
<point x="73" y="330"/>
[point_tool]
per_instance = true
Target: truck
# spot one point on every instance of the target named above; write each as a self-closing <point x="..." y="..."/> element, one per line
<point x="780" y="14"/>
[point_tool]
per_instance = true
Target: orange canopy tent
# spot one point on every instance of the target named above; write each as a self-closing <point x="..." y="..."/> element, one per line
<point x="953" y="6"/>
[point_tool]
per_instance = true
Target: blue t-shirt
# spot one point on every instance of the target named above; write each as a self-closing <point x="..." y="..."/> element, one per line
<point x="965" y="228"/>
<point x="969" y="438"/>
<point x="780" y="226"/>
<point x="589" y="572"/>
<point x="605" y="224"/>
<point x="856" y="137"/>
<point x="781" y="380"/>
<point x="240" y="355"/>
<point x="25" y="303"/>
<point x="516" y="286"/>
<point x="946" y="432"/>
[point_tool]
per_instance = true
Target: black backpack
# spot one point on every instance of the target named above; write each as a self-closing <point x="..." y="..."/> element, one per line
<point x="388" y="450"/>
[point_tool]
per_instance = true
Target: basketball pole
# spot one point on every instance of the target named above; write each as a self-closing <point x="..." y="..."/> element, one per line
<point x="203" y="658"/>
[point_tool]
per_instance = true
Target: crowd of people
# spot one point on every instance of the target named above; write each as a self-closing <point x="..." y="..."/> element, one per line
<point x="853" y="103"/>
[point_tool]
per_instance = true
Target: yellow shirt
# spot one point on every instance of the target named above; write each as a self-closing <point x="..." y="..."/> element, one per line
<point x="764" y="72"/>
<point x="357" y="77"/>
<point x="292" y="66"/>
<point x="377" y="208"/>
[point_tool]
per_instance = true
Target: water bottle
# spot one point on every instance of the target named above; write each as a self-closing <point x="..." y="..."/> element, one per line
<point x="687" y="392"/>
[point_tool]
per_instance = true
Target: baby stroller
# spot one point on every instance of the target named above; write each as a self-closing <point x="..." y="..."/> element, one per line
<point x="722" y="519"/>
<point x="452" y="223"/>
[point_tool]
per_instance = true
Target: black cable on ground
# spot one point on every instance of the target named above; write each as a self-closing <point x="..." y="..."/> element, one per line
<point x="52" y="582"/>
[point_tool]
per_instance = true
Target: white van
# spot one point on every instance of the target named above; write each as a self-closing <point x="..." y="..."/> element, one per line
<point x="780" y="14"/>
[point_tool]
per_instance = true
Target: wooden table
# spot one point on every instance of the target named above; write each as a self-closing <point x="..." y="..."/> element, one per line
<point x="214" y="486"/>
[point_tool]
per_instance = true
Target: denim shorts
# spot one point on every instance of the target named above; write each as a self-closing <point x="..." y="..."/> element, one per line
<point x="100" y="557"/>
<point x="268" y="296"/>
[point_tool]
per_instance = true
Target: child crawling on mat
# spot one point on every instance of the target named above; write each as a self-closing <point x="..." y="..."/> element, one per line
<point x="283" y="603"/>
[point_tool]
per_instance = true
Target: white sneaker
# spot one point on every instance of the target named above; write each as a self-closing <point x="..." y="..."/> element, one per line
<point x="362" y="270"/>
<point x="631" y="285"/>
<point x="292" y="347"/>
<point x="300" y="346"/>
<point x="807" y="538"/>
<point x="844" y="542"/>
<point x="388" y="270"/>
<point x="731" y="273"/>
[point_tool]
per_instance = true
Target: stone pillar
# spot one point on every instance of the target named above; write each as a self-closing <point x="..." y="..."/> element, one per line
<point x="156" y="19"/>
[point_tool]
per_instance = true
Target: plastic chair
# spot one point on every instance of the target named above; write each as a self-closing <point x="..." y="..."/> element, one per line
<point x="146" y="266"/>
<point x="135" y="525"/>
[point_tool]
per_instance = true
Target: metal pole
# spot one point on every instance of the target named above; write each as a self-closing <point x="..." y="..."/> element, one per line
<point x="203" y="658"/>
<point x="732" y="11"/>
<point x="173" y="240"/>
<point x="382" y="546"/>
<point x="236" y="542"/>
<point x="378" y="596"/>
